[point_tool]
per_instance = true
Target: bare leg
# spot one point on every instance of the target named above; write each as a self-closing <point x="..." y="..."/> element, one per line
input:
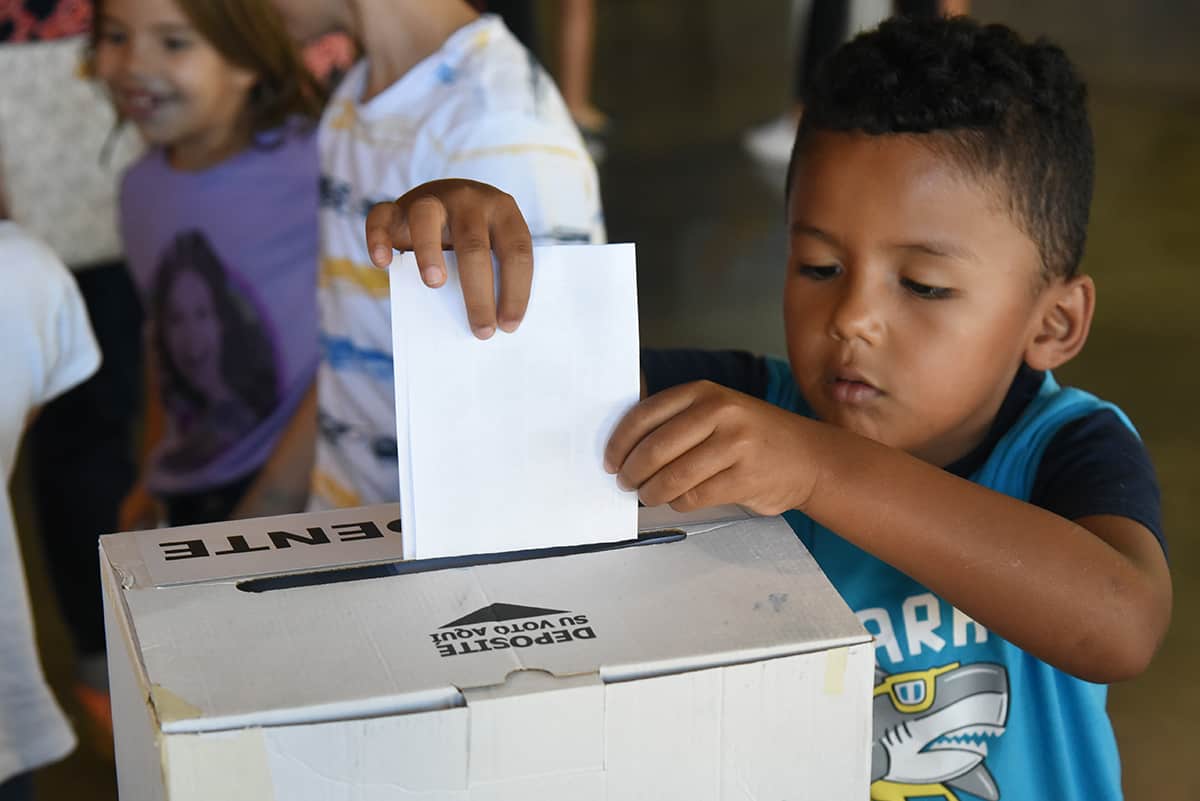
<point x="576" y="46"/>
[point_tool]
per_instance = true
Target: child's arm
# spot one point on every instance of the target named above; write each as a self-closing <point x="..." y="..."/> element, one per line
<point x="1091" y="597"/>
<point x="139" y="509"/>
<point x="282" y="485"/>
<point x="475" y="219"/>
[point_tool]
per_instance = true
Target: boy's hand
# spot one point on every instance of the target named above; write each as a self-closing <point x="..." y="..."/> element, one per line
<point x="475" y="219"/>
<point x="701" y="444"/>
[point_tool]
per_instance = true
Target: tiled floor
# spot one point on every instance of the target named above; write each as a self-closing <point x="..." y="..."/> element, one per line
<point x="708" y="225"/>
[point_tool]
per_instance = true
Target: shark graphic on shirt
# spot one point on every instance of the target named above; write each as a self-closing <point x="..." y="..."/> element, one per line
<point x="932" y="729"/>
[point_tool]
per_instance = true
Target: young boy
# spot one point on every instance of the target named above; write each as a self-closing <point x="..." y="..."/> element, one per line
<point x="440" y="91"/>
<point x="999" y="536"/>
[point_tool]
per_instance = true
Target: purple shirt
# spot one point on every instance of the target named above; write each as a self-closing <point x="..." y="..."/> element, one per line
<point x="225" y="260"/>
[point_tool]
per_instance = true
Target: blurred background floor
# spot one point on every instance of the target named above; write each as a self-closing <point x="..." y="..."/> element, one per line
<point x="683" y="79"/>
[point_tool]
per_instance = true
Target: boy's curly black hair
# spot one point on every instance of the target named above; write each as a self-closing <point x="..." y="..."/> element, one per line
<point x="1002" y="108"/>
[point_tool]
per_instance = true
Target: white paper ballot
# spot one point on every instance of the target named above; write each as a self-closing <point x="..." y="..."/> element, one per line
<point x="501" y="441"/>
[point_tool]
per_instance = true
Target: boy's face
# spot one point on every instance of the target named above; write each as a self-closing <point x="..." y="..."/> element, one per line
<point x="910" y="294"/>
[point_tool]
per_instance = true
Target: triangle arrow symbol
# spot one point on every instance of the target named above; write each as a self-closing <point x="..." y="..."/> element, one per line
<point x="498" y="612"/>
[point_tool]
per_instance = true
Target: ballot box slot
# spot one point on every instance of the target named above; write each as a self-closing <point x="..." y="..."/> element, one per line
<point x="402" y="568"/>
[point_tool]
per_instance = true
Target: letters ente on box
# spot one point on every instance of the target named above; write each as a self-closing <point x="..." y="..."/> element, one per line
<point x="269" y="545"/>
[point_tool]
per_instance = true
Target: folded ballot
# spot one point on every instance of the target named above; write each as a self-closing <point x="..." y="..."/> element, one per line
<point x="501" y="441"/>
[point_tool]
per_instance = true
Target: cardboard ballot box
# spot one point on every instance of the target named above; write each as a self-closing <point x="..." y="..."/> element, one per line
<point x="294" y="659"/>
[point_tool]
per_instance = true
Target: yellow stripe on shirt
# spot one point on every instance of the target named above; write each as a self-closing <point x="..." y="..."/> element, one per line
<point x="365" y="277"/>
<point x="345" y="118"/>
<point x="514" y="150"/>
<point x="334" y="492"/>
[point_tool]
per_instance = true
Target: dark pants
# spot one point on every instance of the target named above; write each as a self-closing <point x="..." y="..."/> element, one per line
<point x="17" y="788"/>
<point x="211" y="506"/>
<point x="82" y="453"/>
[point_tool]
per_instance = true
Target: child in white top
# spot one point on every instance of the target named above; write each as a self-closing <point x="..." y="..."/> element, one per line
<point x="440" y="92"/>
<point x="46" y="347"/>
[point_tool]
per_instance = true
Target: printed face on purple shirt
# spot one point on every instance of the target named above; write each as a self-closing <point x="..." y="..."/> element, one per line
<point x="217" y="372"/>
<point x="192" y="331"/>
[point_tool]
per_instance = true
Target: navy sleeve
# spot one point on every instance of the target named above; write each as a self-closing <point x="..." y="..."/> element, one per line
<point x="737" y="370"/>
<point x="1097" y="466"/>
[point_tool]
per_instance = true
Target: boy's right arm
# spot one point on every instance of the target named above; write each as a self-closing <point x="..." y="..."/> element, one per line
<point x="1090" y="596"/>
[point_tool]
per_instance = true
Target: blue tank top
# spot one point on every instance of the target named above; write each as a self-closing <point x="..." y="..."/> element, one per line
<point x="959" y="713"/>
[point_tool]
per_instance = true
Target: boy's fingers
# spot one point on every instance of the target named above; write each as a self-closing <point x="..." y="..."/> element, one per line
<point x="642" y="419"/>
<point x="514" y="250"/>
<point x="713" y="491"/>
<point x="668" y="444"/>
<point x="684" y="475"/>
<point x="471" y="217"/>
<point x="386" y="229"/>
<point x="426" y="230"/>
<point x="472" y="248"/>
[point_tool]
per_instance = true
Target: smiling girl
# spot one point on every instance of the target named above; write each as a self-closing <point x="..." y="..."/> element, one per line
<point x="219" y="222"/>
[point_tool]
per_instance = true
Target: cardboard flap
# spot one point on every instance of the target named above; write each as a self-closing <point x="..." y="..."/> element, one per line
<point x="727" y="593"/>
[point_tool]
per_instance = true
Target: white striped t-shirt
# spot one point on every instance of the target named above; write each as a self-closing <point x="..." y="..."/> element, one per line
<point x="481" y="107"/>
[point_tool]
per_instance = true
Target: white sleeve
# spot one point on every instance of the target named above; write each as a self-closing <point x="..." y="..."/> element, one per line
<point x="45" y="311"/>
<point x="545" y="169"/>
<point x="72" y="354"/>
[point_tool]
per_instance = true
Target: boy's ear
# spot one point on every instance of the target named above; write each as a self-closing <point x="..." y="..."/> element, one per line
<point x="1063" y="320"/>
